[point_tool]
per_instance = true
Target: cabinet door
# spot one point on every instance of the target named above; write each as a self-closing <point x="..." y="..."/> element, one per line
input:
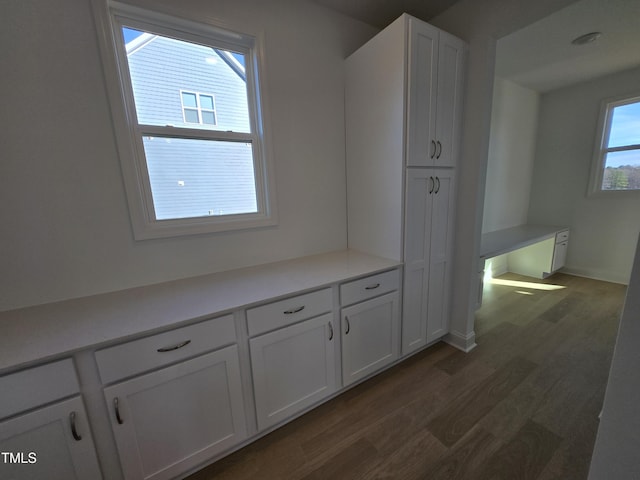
<point x="293" y="368"/>
<point x="559" y="255"/>
<point x="440" y="247"/>
<point x="420" y="186"/>
<point x="370" y="332"/>
<point x="421" y="106"/>
<point x="448" y="104"/>
<point x="428" y="239"/>
<point x="52" y="442"/>
<point x="171" y="420"/>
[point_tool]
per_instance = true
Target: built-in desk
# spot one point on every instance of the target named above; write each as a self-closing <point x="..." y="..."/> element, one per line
<point x="531" y="250"/>
<point x="508" y="240"/>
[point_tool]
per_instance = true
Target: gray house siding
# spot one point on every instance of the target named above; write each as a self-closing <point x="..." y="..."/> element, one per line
<point x="191" y="178"/>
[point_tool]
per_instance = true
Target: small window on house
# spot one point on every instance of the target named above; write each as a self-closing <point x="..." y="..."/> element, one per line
<point x="616" y="165"/>
<point x="198" y="108"/>
<point x="198" y="162"/>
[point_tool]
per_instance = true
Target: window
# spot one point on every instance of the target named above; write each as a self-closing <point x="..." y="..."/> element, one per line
<point x="193" y="146"/>
<point x="617" y="154"/>
<point x="198" y="108"/>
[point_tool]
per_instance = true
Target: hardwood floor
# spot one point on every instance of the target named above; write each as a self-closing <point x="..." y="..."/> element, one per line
<point x="523" y="404"/>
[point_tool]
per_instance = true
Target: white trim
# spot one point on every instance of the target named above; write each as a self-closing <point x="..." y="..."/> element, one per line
<point x="109" y="17"/>
<point x="600" y="150"/>
<point x="466" y="343"/>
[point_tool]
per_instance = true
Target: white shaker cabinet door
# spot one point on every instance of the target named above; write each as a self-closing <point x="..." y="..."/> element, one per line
<point x="370" y="336"/>
<point x="169" y="421"/>
<point x="293" y="368"/>
<point x="52" y="443"/>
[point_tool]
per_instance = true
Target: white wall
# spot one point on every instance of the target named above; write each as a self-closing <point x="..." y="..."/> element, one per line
<point x="65" y="223"/>
<point x="514" y="120"/>
<point x="603" y="230"/>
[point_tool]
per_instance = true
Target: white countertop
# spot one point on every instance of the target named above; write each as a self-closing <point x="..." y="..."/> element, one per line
<point x="499" y="242"/>
<point x="43" y="332"/>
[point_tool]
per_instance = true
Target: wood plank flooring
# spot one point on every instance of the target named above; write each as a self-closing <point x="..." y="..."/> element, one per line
<point x="523" y="405"/>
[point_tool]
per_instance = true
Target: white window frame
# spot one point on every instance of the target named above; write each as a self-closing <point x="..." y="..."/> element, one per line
<point x="600" y="149"/>
<point x="110" y="17"/>
<point x="199" y="108"/>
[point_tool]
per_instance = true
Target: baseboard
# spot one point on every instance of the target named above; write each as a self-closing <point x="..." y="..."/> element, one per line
<point x="466" y="343"/>
<point x="595" y="275"/>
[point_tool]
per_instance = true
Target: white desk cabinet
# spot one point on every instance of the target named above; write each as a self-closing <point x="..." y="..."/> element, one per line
<point x="52" y="441"/>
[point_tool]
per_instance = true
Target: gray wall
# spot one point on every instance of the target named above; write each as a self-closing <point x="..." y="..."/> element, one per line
<point x="604" y="230"/>
<point x="65" y="222"/>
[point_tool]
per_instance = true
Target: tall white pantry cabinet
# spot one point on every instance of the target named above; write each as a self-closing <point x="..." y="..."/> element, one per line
<point x="403" y="120"/>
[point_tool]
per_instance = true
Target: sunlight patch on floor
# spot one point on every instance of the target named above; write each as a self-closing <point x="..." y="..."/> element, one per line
<point x="520" y="284"/>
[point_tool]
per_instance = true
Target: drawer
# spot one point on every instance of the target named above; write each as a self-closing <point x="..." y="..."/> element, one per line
<point x="37" y="386"/>
<point x="369" y="287"/>
<point x="562" y="236"/>
<point x="288" y="311"/>
<point x="158" y="350"/>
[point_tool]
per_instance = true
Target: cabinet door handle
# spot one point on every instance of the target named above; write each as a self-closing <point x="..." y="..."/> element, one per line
<point x="346" y="319"/>
<point x="438" y="187"/>
<point x="432" y="185"/>
<point x="439" y="150"/>
<point x="433" y="149"/>
<point x="74" y="431"/>
<point x="293" y="310"/>
<point x="174" y="347"/>
<point x="330" y="331"/>
<point x="116" y="407"/>
<point x="372" y="287"/>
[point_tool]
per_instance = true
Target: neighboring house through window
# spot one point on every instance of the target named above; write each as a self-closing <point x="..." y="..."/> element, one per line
<point x="195" y="155"/>
<point x="616" y="164"/>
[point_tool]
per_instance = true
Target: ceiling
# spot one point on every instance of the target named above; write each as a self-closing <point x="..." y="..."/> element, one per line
<point x="540" y="56"/>
<point x="381" y="13"/>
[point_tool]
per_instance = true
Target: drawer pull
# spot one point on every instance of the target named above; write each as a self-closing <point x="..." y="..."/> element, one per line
<point x="346" y="320"/>
<point x="372" y="287"/>
<point x="294" y="310"/>
<point x="116" y="407"/>
<point x="74" y="431"/>
<point x="174" y="347"/>
<point x="330" y="331"/>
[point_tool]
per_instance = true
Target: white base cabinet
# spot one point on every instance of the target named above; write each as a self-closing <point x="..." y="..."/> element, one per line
<point x="293" y="368"/>
<point x="174" y="419"/>
<point x="52" y="443"/>
<point x="370" y="332"/>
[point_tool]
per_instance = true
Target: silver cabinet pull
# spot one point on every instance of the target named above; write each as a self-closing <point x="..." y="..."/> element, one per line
<point x="432" y="185"/>
<point x="433" y="145"/>
<point x="330" y="331"/>
<point x="439" y="150"/>
<point x="372" y="287"/>
<point x="438" y="187"/>
<point x="346" y="319"/>
<point x="74" y="431"/>
<point x="293" y="310"/>
<point x="116" y="407"/>
<point x="174" y="347"/>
